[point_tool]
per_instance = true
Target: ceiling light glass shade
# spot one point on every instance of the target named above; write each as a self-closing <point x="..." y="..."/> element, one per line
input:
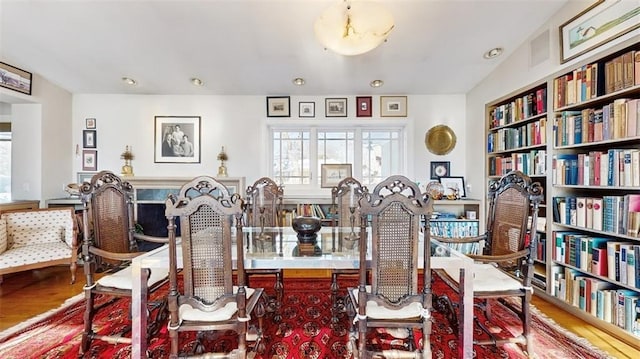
<point x="353" y="27"/>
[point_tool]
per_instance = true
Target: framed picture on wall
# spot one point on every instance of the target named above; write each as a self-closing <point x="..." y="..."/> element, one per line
<point x="89" y="160"/>
<point x="439" y="169"/>
<point x="15" y="79"/>
<point x="364" y="106"/>
<point x="452" y="185"/>
<point x="90" y="123"/>
<point x="332" y="174"/>
<point x="278" y="106"/>
<point x="335" y="107"/>
<point x="177" y="139"/>
<point x="89" y="139"/>
<point x="393" y="106"/>
<point x="307" y="109"/>
<point x="84" y="176"/>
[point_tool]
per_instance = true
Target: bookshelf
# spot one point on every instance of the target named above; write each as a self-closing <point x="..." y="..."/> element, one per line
<point x="458" y="218"/>
<point x="595" y="194"/>
<point x="517" y="130"/>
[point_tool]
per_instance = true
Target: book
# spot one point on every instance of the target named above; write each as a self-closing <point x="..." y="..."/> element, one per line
<point x="632" y="208"/>
<point x="581" y="212"/>
<point x="613" y="259"/>
<point x="599" y="264"/>
<point x="597" y="214"/>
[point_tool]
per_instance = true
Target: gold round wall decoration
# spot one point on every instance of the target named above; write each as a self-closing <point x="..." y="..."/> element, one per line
<point x="440" y="139"/>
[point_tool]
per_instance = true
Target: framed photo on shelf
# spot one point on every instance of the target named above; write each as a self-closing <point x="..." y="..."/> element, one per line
<point x="335" y="107"/>
<point x="89" y="160"/>
<point x="278" y="106"/>
<point x="15" y="79"/>
<point x="84" y="177"/>
<point x="439" y="169"/>
<point x="453" y="184"/>
<point x="393" y="106"/>
<point x="600" y="23"/>
<point x="90" y="123"/>
<point x="363" y="108"/>
<point x="306" y="109"/>
<point x="177" y="139"/>
<point x="89" y="139"/>
<point x="332" y="174"/>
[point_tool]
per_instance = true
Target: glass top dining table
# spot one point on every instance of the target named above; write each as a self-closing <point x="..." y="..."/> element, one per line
<point x="279" y="247"/>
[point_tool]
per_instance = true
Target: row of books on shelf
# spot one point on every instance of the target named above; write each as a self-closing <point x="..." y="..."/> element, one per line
<point x="615" y="305"/>
<point x="528" y="105"/>
<point x="597" y="79"/>
<point x="532" y="163"/>
<point x="616" y="120"/>
<point x="530" y="134"/>
<point x="614" y="167"/>
<point x="613" y="214"/>
<point x="454" y="228"/>
<point x="616" y="260"/>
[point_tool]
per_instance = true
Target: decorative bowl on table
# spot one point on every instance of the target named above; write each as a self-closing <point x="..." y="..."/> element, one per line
<point x="306" y="228"/>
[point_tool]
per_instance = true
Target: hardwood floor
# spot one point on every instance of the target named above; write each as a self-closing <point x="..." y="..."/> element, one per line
<point x="27" y="294"/>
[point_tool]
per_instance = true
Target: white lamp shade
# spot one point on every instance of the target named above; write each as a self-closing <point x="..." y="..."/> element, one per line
<point x="353" y="27"/>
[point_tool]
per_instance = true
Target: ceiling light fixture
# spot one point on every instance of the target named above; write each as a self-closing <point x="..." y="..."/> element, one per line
<point x="353" y="27"/>
<point x="129" y="81"/>
<point x="197" y="82"/>
<point x="376" y="83"/>
<point x="495" y="52"/>
<point x="298" y="81"/>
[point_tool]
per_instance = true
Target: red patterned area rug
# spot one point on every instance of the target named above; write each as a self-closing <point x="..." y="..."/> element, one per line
<point x="305" y="331"/>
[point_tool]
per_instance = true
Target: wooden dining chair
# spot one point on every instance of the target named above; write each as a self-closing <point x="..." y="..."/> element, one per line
<point x="211" y="232"/>
<point x="108" y="246"/>
<point x="505" y="268"/>
<point x="398" y="215"/>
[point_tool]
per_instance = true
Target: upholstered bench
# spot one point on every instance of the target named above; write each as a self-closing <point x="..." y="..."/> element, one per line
<point x="38" y="238"/>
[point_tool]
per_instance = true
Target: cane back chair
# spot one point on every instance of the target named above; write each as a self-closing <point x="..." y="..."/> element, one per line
<point x="345" y="225"/>
<point x="211" y="232"/>
<point x="396" y="211"/>
<point x="264" y="209"/>
<point x="109" y="244"/>
<point x="505" y="268"/>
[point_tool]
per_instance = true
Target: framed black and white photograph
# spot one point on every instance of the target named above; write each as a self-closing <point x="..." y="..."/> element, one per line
<point x="453" y="185"/>
<point x="335" y="107"/>
<point x="89" y="160"/>
<point x="278" y="106"/>
<point x="439" y="169"/>
<point x="307" y="109"/>
<point x="332" y="174"/>
<point x="177" y="139"/>
<point x="89" y="139"/>
<point x="90" y="123"/>
<point x="393" y="106"/>
<point x="15" y="79"/>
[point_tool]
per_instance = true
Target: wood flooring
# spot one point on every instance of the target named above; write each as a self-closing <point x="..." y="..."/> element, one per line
<point x="27" y="294"/>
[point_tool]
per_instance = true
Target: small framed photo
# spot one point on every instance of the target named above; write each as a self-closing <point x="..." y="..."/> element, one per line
<point x="89" y="139"/>
<point x="90" y="123"/>
<point x="278" y="106"/>
<point x="15" y="79"/>
<point x="307" y="109"/>
<point x="393" y="106"/>
<point x="85" y="177"/>
<point x="439" y="169"/>
<point x="453" y="185"/>
<point x="89" y="160"/>
<point x="363" y="104"/>
<point x="177" y="139"/>
<point x="332" y="174"/>
<point x="335" y="107"/>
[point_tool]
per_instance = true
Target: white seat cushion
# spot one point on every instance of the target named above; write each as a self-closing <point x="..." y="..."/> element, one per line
<point x="375" y="311"/>
<point x="122" y="279"/>
<point x="35" y="253"/>
<point x="187" y="312"/>
<point x="487" y="278"/>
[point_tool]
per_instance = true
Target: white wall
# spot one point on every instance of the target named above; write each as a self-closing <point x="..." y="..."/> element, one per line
<point x="516" y="73"/>
<point x="240" y="124"/>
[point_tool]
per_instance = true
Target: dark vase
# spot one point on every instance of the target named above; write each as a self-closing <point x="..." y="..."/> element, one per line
<point x="307" y="228"/>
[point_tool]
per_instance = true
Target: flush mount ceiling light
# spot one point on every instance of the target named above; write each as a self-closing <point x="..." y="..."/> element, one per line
<point x="376" y="83"/>
<point x="197" y="82"/>
<point x="495" y="52"/>
<point x="129" y="81"/>
<point x="353" y="27"/>
<point x="299" y="81"/>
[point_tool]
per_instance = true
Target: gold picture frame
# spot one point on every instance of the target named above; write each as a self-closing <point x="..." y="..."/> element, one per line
<point x="393" y="106"/>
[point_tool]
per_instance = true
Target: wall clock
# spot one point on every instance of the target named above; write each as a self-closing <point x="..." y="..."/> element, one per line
<point x="439" y="169"/>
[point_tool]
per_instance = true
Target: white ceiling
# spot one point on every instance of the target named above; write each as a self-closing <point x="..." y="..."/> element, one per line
<point x="256" y="47"/>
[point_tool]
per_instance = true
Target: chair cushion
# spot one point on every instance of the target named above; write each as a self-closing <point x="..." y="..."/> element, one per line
<point x="122" y="279"/>
<point x="187" y="312"/>
<point x="34" y="253"/>
<point x="487" y="278"/>
<point x="28" y="236"/>
<point x="375" y="311"/>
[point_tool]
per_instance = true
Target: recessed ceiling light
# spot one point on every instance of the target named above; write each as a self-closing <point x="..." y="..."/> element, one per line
<point x="376" y="83"/>
<point x="298" y="81"/>
<point x="495" y="52"/>
<point x="196" y="81"/>
<point x="129" y="81"/>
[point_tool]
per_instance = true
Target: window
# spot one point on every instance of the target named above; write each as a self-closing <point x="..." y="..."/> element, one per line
<point x="375" y="153"/>
<point x="5" y="161"/>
